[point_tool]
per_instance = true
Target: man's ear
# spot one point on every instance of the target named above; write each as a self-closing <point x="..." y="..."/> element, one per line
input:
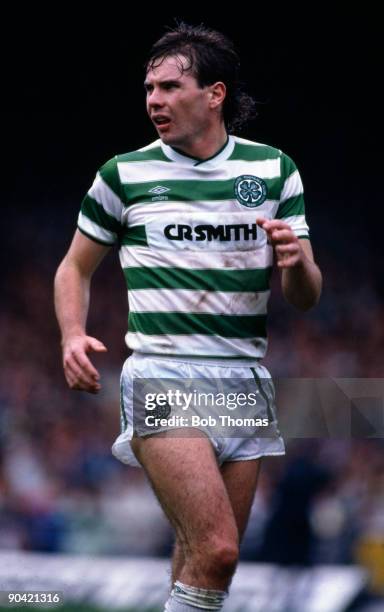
<point x="217" y="94"/>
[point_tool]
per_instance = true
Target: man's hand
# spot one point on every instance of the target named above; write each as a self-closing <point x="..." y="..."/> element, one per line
<point x="285" y="243"/>
<point x="301" y="279"/>
<point x="78" y="369"/>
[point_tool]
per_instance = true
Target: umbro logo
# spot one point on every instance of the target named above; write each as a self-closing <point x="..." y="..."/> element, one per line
<point x="158" y="193"/>
<point x="159" y="190"/>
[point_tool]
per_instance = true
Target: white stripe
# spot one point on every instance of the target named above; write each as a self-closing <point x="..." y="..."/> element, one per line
<point x="139" y="214"/>
<point x="196" y="345"/>
<point x="298" y="224"/>
<point x="157" y="171"/>
<point x="249" y="142"/>
<point x="215" y="260"/>
<point x="91" y="228"/>
<point x="292" y="187"/>
<point x="103" y="194"/>
<point x="152" y="145"/>
<point x="252" y="238"/>
<point x="211" y="302"/>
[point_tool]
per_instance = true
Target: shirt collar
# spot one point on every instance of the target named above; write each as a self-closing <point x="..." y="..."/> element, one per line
<point x="211" y="162"/>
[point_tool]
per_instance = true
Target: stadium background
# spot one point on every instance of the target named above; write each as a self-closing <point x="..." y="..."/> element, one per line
<point x="74" y="98"/>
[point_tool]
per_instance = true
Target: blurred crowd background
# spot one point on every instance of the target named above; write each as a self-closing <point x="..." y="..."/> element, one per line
<point x="61" y="490"/>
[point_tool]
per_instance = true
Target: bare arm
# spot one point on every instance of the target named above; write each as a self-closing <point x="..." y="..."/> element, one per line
<point x="72" y="286"/>
<point x="301" y="279"/>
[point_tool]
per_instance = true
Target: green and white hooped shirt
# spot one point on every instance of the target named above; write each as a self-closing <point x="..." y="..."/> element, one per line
<point x="196" y="264"/>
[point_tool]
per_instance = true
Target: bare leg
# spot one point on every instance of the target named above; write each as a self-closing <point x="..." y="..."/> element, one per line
<point x="178" y="560"/>
<point x="240" y="478"/>
<point x="187" y="481"/>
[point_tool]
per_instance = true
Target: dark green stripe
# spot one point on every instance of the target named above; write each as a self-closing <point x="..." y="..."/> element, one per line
<point x="96" y="213"/>
<point x="95" y="239"/>
<point x="110" y="175"/>
<point x="188" y="191"/>
<point x="155" y="154"/>
<point x="123" y="416"/>
<point x="209" y="280"/>
<point x="288" y="166"/>
<point x="134" y="236"/>
<point x="254" y="153"/>
<point x="176" y="323"/>
<point x="263" y="393"/>
<point x="292" y="206"/>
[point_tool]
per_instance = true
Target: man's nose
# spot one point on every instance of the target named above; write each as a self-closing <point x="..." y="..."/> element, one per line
<point x="155" y="98"/>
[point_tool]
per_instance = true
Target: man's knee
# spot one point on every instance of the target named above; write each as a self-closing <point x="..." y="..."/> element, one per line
<point x="223" y="559"/>
<point x="216" y="558"/>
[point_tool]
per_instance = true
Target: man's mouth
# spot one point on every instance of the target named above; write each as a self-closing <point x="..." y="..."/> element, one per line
<point x="161" y="121"/>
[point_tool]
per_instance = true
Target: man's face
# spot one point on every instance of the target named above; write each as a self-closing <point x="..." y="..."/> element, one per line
<point x="177" y="106"/>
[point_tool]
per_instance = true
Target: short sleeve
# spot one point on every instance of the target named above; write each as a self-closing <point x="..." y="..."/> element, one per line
<point x="291" y="207"/>
<point x="101" y="210"/>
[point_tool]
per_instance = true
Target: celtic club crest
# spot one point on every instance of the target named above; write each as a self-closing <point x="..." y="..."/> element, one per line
<point x="250" y="191"/>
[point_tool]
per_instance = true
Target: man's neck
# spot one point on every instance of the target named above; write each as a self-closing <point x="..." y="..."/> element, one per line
<point x="207" y="147"/>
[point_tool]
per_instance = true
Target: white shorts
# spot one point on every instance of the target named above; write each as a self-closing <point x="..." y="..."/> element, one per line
<point x="233" y="447"/>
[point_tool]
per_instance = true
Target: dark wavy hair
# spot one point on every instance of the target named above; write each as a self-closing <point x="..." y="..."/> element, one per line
<point x="211" y="57"/>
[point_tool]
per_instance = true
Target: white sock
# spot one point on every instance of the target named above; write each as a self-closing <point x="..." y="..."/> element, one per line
<point x="186" y="598"/>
